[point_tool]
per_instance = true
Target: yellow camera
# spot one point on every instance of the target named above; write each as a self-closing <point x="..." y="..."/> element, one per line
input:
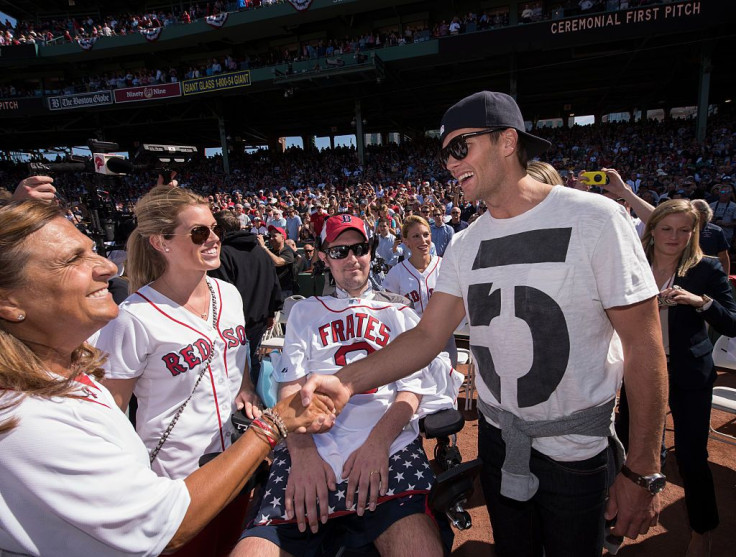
<point x="594" y="178"/>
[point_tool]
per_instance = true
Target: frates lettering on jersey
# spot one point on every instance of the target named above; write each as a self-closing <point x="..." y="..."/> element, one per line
<point x="358" y="325"/>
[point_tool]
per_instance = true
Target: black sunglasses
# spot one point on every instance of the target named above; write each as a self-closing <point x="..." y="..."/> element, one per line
<point x="341" y="252"/>
<point x="201" y="233"/>
<point x="458" y="147"/>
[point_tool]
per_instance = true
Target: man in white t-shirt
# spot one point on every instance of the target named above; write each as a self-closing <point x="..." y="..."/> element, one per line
<point x="545" y="277"/>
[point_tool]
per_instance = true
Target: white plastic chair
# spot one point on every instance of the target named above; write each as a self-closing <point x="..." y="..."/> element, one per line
<point x="724" y="399"/>
<point x="465" y="357"/>
<point x="273" y="339"/>
<point x="724" y="353"/>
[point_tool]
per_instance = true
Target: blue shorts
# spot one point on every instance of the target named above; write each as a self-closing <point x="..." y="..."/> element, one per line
<point x="350" y="531"/>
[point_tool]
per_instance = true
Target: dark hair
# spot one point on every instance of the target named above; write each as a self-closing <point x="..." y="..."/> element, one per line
<point x="228" y="221"/>
<point x="521" y="152"/>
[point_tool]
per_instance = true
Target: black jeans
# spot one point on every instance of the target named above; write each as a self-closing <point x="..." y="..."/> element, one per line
<point x="565" y="516"/>
<point x="691" y="417"/>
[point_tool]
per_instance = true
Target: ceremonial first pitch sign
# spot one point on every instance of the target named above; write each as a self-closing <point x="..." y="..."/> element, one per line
<point x="219" y="82"/>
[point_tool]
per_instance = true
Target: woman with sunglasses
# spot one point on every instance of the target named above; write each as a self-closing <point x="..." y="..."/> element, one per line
<point x="415" y="277"/>
<point x="179" y="344"/>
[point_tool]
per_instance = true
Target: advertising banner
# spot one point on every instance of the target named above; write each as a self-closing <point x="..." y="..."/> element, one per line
<point x="218" y="82"/>
<point x="81" y="100"/>
<point x="147" y="93"/>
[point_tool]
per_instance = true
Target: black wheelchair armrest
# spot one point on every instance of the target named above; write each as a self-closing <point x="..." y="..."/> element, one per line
<point x="240" y="422"/>
<point x="452" y="489"/>
<point x="441" y="424"/>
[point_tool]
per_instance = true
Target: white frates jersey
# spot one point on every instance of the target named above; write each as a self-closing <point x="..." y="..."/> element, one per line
<point x="75" y="480"/>
<point x="164" y="346"/>
<point x="536" y="288"/>
<point x="324" y="334"/>
<point x="406" y="280"/>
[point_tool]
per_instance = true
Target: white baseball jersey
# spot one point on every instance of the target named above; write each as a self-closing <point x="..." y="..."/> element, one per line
<point x="406" y="280"/>
<point x="326" y="333"/>
<point x="164" y="346"/>
<point x="75" y="480"/>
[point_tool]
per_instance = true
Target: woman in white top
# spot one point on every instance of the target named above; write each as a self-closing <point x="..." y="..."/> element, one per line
<point x="415" y="277"/>
<point x="180" y="338"/>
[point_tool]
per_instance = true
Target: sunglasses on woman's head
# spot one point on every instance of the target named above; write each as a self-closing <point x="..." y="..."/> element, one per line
<point x="201" y="233"/>
<point x="458" y="147"/>
<point x="341" y="252"/>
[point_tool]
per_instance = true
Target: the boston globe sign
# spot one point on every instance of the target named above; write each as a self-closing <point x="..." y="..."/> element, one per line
<point x="81" y="100"/>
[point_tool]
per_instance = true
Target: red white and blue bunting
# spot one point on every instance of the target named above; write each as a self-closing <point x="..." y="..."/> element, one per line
<point x="301" y="5"/>
<point x="218" y="20"/>
<point x="87" y="44"/>
<point x="151" y="34"/>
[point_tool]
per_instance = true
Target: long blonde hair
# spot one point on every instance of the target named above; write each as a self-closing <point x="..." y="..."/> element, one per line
<point x="22" y="372"/>
<point x="158" y="214"/>
<point x="692" y="254"/>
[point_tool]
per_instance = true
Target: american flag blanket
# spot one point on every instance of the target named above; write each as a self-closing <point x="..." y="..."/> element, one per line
<point x="409" y="474"/>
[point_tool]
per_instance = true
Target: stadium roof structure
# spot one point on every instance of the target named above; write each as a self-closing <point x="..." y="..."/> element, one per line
<point x="612" y="62"/>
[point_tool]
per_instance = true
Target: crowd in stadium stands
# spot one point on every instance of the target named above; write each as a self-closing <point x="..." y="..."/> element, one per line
<point x="660" y="160"/>
<point x="313" y="50"/>
<point x="51" y="31"/>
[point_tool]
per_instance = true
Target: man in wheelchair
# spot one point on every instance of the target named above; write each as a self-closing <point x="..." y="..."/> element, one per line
<point x="367" y="480"/>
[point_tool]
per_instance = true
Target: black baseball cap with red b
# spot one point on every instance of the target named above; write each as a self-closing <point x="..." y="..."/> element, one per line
<point x="489" y="109"/>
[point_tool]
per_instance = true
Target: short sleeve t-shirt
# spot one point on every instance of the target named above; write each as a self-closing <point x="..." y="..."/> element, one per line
<point x="536" y="288"/>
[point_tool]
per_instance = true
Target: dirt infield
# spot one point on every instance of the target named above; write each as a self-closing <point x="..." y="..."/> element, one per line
<point x="670" y="536"/>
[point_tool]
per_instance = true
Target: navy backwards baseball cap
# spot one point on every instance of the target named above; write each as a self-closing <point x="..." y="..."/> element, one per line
<point x="488" y="109"/>
<point x="337" y="224"/>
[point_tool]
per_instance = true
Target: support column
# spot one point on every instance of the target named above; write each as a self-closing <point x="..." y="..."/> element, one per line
<point x="308" y="143"/>
<point x="359" y="137"/>
<point x="512" y="76"/>
<point x="701" y="120"/>
<point x="223" y="143"/>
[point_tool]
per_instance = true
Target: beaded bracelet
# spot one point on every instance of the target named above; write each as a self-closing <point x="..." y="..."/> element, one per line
<point x="267" y="431"/>
<point x="272" y="415"/>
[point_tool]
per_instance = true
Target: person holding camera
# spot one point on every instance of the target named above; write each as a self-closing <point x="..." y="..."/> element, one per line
<point x="283" y="258"/>
<point x="74" y="476"/>
<point x="180" y="344"/>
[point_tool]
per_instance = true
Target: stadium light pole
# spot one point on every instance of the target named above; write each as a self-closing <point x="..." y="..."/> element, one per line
<point x="703" y="91"/>
<point x="359" y="137"/>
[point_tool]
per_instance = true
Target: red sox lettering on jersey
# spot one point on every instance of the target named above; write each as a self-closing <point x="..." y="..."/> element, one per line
<point x="415" y="297"/>
<point x="194" y="354"/>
